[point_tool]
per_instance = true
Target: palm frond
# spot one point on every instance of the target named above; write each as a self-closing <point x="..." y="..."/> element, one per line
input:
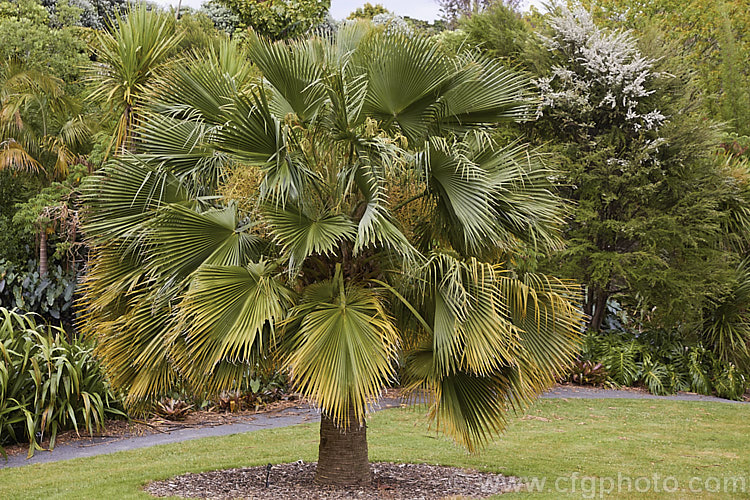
<point x="182" y="240"/>
<point x="377" y="226"/>
<point x="491" y="334"/>
<point x="123" y="194"/>
<point x="293" y="75"/>
<point x="341" y="345"/>
<point x="302" y="235"/>
<point x="484" y="92"/>
<point x="183" y="148"/>
<point x="228" y="318"/>
<point x="463" y="192"/>
<point x="14" y="156"/>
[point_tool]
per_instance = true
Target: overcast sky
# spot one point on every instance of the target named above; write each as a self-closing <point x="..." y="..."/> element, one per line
<point x="340" y="9"/>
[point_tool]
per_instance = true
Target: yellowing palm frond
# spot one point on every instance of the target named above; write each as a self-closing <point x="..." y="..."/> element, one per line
<point x="14" y="156"/>
<point x="227" y="319"/>
<point x="341" y="346"/>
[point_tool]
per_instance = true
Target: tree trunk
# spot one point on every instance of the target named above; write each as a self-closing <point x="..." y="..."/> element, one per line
<point x="43" y="253"/>
<point x="600" y="309"/>
<point x="342" y="456"/>
<point x="588" y="305"/>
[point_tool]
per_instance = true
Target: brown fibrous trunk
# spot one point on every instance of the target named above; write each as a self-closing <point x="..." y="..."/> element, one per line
<point x="43" y="253"/>
<point x="342" y="456"/>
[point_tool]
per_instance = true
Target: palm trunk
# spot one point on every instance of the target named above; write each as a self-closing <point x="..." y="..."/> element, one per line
<point x="342" y="456"/>
<point x="43" y="253"/>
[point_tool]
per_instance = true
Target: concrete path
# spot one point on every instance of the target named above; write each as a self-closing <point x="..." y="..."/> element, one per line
<point x="105" y="445"/>
<point x="584" y="392"/>
<point x="285" y="418"/>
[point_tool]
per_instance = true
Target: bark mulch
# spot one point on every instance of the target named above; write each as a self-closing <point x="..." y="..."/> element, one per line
<point x="294" y="481"/>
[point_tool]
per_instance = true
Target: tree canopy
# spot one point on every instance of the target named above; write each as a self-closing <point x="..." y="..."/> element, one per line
<point x="381" y="211"/>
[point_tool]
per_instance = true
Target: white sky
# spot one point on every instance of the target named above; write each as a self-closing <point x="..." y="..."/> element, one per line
<point x="340" y="9"/>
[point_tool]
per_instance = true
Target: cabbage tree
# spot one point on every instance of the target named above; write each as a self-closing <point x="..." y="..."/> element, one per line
<point x="128" y="57"/>
<point x="370" y="247"/>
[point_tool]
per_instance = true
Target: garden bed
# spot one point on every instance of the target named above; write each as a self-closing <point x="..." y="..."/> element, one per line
<point x="294" y="481"/>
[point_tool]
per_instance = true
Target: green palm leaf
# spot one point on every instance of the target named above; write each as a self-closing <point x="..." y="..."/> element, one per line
<point x="463" y="192"/>
<point x="226" y="321"/>
<point x="406" y="75"/>
<point x="302" y="235"/>
<point x="183" y="240"/>
<point x="341" y="346"/>
<point x="293" y="74"/>
<point x="484" y="92"/>
<point x="123" y="195"/>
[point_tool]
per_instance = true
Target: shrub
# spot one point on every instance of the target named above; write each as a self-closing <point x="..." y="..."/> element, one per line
<point x="50" y="296"/>
<point x="47" y="384"/>
<point x="257" y="389"/>
<point x="661" y="361"/>
<point x="588" y="373"/>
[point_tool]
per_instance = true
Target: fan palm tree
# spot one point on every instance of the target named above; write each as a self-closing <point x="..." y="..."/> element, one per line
<point x="369" y="250"/>
<point x="42" y="129"/>
<point x="128" y="58"/>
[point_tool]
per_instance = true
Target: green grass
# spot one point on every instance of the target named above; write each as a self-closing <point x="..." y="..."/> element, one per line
<point x="594" y="438"/>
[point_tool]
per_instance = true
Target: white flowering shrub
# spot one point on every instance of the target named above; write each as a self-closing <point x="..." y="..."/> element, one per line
<point x="600" y="79"/>
<point x="393" y="23"/>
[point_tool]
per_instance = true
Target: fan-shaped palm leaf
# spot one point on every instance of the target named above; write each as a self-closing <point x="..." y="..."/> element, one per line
<point x="183" y="240"/>
<point x="341" y="347"/>
<point x="228" y="317"/>
<point x="293" y="74"/>
<point x="302" y="235"/>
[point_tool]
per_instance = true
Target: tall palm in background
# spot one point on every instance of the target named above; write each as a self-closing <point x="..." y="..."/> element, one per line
<point x="42" y="129"/>
<point x="128" y="58"/>
<point x="368" y="251"/>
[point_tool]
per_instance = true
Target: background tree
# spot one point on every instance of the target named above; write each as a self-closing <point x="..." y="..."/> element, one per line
<point x="41" y="131"/>
<point x="381" y="208"/>
<point x="27" y="37"/>
<point x="454" y="10"/>
<point x="223" y="18"/>
<point x="640" y="164"/>
<point x="502" y="32"/>
<point x="96" y="14"/>
<point x="128" y="59"/>
<point x="712" y="38"/>
<point x="14" y="188"/>
<point x="196" y="31"/>
<point x="279" y="19"/>
<point x="368" y="11"/>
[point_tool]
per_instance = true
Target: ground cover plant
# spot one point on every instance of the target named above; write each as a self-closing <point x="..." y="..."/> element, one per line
<point x="594" y="439"/>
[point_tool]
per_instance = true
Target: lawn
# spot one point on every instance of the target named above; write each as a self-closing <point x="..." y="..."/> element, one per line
<point x="595" y="446"/>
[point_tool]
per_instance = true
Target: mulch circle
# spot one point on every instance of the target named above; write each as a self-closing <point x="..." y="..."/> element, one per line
<point x="294" y="481"/>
